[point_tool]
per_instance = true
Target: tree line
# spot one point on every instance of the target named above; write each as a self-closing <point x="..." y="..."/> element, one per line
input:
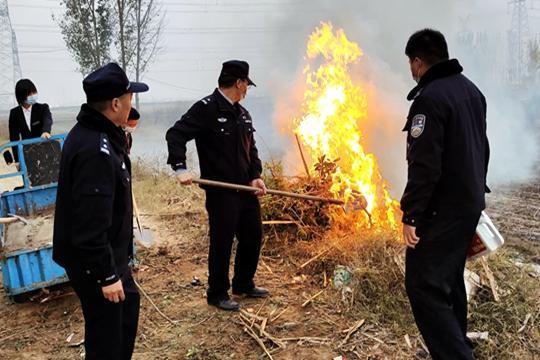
<point x="100" y="31"/>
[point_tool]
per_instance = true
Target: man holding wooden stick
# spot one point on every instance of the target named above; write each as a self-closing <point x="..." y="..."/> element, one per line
<point x="223" y="133"/>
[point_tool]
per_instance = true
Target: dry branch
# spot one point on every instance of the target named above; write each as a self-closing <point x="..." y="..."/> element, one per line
<point x="315" y="258"/>
<point x="491" y="279"/>
<point x="351" y="331"/>
<point x="308" y="301"/>
<point x="174" y="322"/>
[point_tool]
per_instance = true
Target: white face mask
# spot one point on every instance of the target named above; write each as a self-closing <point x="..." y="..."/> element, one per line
<point x="129" y="129"/>
<point x="32" y="99"/>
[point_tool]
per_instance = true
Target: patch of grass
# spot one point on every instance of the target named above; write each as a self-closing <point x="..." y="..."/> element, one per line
<point x="377" y="263"/>
<point x="376" y="260"/>
<point x="519" y="296"/>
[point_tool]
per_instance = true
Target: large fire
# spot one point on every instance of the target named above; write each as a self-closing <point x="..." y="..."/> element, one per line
<point x="334" y="111"/>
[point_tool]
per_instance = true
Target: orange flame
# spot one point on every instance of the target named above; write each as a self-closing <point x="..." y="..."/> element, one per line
<point x="334" y="109"/>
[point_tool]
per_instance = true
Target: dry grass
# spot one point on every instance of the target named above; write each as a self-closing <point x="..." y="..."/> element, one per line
<point x="376" y="291"/>
<point x="305" y="312"/>
<point x="377" y="263"/>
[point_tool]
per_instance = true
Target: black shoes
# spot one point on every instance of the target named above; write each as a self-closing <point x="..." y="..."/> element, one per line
<point x="255" y="292"/>
<point x="231" y="305"/>
<point x="226" y="304"/>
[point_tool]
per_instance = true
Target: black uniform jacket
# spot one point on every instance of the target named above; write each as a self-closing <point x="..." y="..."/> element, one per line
<point x="40" y="122"/>
<point x="223" y="135"/>
<point x="93" y="228"/>
<point x="447" y="146"/>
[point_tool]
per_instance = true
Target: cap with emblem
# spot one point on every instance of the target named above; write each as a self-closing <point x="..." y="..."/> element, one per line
<point x="109" y="82"/>
<point x="237" y="68"/>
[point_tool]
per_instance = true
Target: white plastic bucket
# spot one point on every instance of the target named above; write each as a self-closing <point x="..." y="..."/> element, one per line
<point x="487" y="238"/>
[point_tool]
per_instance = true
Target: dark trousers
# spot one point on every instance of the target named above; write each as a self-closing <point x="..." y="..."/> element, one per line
<point x="232" y="214"/>
<point x="436" y="288"/>
<point x="109" y="329"/>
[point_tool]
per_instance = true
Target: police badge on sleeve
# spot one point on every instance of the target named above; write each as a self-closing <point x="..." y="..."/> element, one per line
<point x="418" y="125"/>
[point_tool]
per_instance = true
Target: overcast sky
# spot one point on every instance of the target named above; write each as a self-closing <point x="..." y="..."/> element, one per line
<point x="270" y="34"/>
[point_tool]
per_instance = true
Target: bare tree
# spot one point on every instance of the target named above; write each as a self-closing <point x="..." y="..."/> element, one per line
<point x="87" y="32"/>
<point x="87" y="27"/>
<point x="148" y="19"/>
<point x="126" y="31"/>
<point x="139" y="25"/>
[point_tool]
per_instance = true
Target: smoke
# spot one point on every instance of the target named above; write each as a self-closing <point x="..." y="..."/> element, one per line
<point x="382" y="29"/>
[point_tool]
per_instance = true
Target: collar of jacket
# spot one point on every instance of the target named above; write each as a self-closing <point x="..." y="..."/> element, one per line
<point x="440" y="70"/>
<point x="93" y="119"/>
<point x="225" y="105"/>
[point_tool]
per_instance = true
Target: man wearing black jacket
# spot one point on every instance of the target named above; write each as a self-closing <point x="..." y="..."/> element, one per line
<point x="223" y="133"/>
<point x="447" y="155"/>
<point x="93" y="229"/>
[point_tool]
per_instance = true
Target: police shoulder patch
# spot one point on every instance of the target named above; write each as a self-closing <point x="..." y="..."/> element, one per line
<point x="206" y="100"/>
<point x="104" y="144"/>
<point x="418" y="124"/>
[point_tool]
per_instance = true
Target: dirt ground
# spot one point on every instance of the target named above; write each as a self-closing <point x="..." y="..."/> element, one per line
<point x="173" y="272"/>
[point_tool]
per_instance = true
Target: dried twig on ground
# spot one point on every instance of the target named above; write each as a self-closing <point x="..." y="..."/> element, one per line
<point x="491" y="279"/>
<point x="174" y="322"/>
<point x="250" y="332"/>
<point x="315" y="257"/>
<point x="351" y="331"/>
<point x="308" y="301"/>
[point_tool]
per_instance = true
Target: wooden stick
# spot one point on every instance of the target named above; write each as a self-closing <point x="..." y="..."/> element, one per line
<point x="352" y="331"/>
<point x="408" y="341"/>
<point x="302" y="156"/>
<point x="251" y="316"/>
<point x="491" y="279"/>
<point x="267" y="267"/>
<point x="174" y="322"/>
<point x="8" y="220"/>
<point x="260" y="308"/>
<point x="251" y="333"/>
<point x="373" y="338"/>
<point x="279" y="222"/>
<point x="226" y="185"/>
<point x="315" y="257"/>
<point x="262" y="331"/>
<point x="306" y="338"/>
<point x="278" y="315"/>
<point x="16" y="334"/>
<point x="306" y="303"/>
<point x="263" y="327"/>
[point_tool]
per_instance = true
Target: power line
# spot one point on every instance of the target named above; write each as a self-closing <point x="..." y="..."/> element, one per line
<point x="174" y="85"/>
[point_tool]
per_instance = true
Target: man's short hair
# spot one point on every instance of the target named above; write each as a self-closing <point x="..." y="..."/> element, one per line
<point x="23" y="88"/>
<point x="100" y="106"/>
<point x="429" y="45"/>
<point x="226" y="81"/>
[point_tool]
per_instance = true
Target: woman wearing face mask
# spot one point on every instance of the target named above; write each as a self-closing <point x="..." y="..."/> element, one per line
<point x="30" y="119"/>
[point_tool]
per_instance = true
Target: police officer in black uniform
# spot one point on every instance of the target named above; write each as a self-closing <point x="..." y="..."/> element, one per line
<point x="223" y="133"/>
<point x="447" y="155"/>
<point x="93" y="229"/>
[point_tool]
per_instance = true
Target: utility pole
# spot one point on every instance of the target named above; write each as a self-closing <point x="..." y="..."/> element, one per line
<point x="10" y="68"/>
<point x="518" y="37"/>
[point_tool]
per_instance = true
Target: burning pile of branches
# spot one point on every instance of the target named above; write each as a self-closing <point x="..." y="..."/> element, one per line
<point x="330" y="130"/>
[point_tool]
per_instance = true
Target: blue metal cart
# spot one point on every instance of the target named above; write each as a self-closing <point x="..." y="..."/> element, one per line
<point x="29" y="269"/>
